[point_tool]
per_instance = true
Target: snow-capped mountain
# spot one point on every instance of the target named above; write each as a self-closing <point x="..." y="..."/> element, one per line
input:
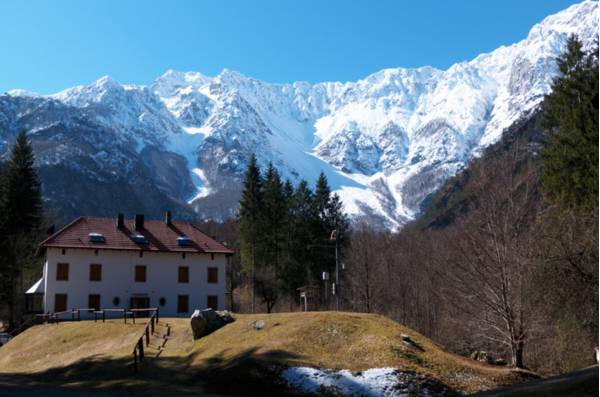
<point x="385" y="142"/>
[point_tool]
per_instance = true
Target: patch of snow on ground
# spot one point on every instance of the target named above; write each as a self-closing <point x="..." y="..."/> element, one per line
<point x="374" y="382"/>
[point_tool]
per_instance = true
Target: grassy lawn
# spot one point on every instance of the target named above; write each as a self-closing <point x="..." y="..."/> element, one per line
<point x="44" y="347"/>
<point x="95" y="356"/>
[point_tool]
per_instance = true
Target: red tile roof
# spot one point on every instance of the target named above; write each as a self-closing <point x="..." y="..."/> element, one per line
<point x="161" y="237"/>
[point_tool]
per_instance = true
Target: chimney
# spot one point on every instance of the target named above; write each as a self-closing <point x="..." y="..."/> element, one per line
<point x="50" y="230"/>
<point x="120" y="221"/>
<point x="139" y="221"/>
<point x="168" y="219"/>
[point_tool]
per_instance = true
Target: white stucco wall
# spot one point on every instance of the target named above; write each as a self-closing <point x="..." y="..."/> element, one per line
<point x="118" y="268"/>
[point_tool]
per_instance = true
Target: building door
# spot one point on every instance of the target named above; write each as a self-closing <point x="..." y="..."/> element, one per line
<point x="139" y="302"/>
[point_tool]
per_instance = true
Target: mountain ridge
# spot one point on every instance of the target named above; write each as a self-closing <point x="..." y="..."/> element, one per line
<point x="386" y="142"/>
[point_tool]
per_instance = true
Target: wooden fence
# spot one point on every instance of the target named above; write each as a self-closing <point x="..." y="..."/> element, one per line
<point x="101" y="314"/>
<point x="75" y="315"/>
<point x="144" y="340"/>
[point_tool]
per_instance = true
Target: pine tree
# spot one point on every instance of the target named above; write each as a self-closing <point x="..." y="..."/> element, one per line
<point x="336" y="219"/>
<point x="321" y="197"/>
<point x="323" y="257"/>
<point x="570" y="160"/>
<point x="21" y="217"/>
<point x="21" y="198"/>
<point x="298" y="229"/>
<point x="274" y="211"/>
<point x="250" y="221"/>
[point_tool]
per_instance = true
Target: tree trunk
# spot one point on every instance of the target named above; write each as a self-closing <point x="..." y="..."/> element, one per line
<point x="517" y="354"/>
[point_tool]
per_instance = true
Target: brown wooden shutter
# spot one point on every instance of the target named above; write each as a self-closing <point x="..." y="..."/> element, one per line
<point x="94" y="301"/>
<point x="184" y="274"/>
<point x="95" y="272"/>
<point x="182" y="303"/>
<point x="213" y="275"/>
<point x="62" y="271"/>
<point x="212" y="302"/>
<point x="140" y="273"/>
<point x="60" y="303"/>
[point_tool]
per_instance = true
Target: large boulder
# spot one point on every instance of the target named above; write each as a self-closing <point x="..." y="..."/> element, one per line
<point x="207" y="321"/>
<point x="200" y="326"/>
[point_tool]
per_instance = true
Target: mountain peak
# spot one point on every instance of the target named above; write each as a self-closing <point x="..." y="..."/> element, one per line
<point x="581" y="18"/>
<point x="20" y="92"/>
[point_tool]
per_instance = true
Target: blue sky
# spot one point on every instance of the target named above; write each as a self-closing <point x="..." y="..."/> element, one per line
<point x="47" y="46"/>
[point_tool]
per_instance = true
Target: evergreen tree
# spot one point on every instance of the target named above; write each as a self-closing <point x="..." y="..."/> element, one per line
<point x="21" y="217"/>
<point x="336" y="219"/>
<point x="321" y="198"/>
<point x="323" y="257"/>
<point x="273" y="214"/>
<point x="570" y="160"/>
<point x="298" y="255"/>
<point x="250" y="221"/>
<point x="21" y="197"/>
<point x="289" y="282"/>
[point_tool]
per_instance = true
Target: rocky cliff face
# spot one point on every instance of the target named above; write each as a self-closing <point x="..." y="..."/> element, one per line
<point x="386" y="142"/>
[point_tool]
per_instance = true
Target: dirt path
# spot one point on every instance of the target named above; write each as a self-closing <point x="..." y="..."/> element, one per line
<point x="580" y="383"/>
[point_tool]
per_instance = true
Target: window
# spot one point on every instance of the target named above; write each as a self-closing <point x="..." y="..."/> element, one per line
<point x="213" y="275"/>
<point x="116" y="301"/>
<point x="162" y="301"/>
<point x="212" y="302"/>
<point x="95" y="272"/>
<point x="94" y="301"/>
<point x="62" y="271"/>
<point x="140" y="273"/>
<point x="182" y="303"/>
<point x="60" y="303"/>
<point x="184" y="274"/>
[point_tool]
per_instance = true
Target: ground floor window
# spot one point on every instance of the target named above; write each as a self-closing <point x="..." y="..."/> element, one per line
<point x="94" y="302"/>
<point x="212" y="302"/>
<point x="182" y="303"/>
<point x="60" y="303"/>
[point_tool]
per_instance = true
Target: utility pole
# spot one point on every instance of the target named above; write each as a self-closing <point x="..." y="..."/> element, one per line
<point x="336" y="285"/>
<point x="334" y="236"/>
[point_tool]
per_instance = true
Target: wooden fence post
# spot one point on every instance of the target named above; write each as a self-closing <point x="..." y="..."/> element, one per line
<point x="103" y="316"/>
<point x="141" y="348"/>
<point x="147" y="336"/>
<point x="135" y="360"/>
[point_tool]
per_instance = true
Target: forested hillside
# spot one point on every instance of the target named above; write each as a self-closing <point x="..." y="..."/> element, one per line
<point x="505" y="258"/>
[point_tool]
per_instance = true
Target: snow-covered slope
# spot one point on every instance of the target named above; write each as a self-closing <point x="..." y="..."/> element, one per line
<point x="385" y="142"/>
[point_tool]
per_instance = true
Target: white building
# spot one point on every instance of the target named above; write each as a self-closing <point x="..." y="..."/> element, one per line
<point x="107" y="263"/>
